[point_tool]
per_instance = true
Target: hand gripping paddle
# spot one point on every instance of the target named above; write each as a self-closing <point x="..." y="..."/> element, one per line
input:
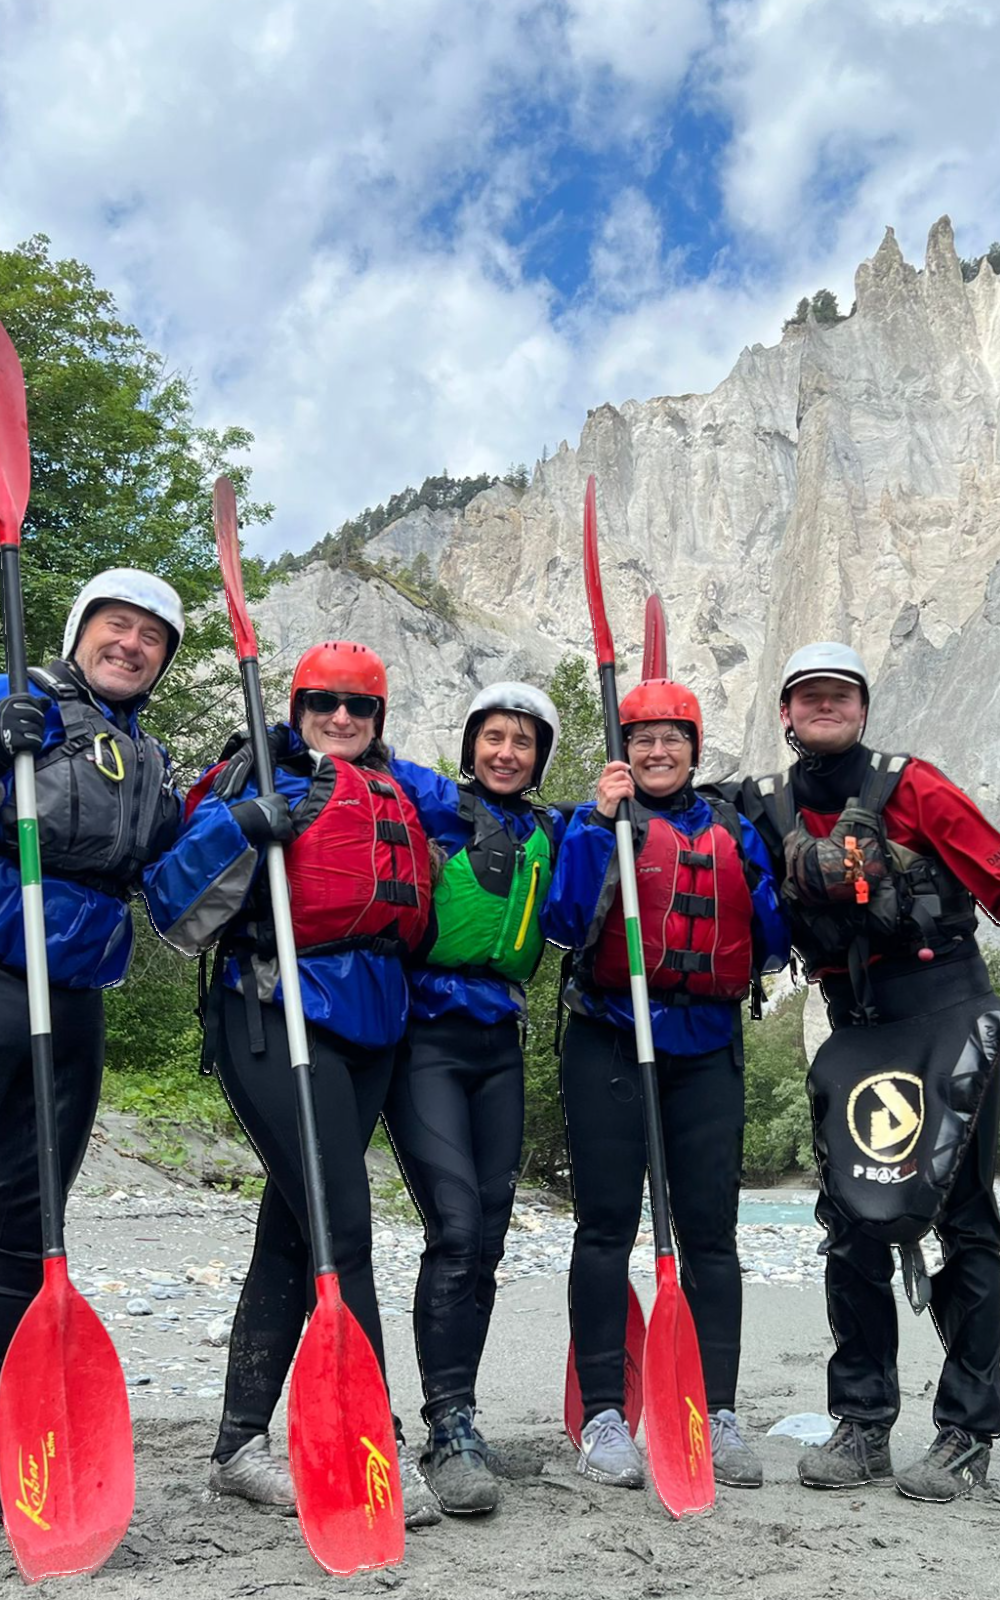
<point x="341" y="1443"/>
<point x="677" y="1436"/>
<point x="67" y="1470"/>
<point x="654" y="665"/>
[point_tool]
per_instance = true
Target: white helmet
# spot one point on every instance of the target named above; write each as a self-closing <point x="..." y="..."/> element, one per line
<point x="825" y="660"/>
<point x="142" y="589"/>
<point x="521" y="697"/>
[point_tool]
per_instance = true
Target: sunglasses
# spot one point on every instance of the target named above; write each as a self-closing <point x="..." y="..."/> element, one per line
<point x="324" y="703"/>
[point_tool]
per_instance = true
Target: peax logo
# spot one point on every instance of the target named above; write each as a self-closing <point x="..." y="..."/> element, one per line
<point x="900" y="1174"/>
<point x="33" y="1476"/>
<point x="378" y="1482"/>
<point x="885" y="1114"/>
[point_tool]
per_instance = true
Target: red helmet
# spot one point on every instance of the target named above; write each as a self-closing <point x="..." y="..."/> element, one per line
<point x="347" y="669"/>
<point x="661" y="700"/>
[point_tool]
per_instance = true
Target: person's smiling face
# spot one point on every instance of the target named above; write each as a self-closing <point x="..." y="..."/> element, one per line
<point x="826" y="715"/>
<point x="337" y="732"/>
<point x="121" y="650"/>
<point x="661" y="755"/>
<point x="505" y="751"/>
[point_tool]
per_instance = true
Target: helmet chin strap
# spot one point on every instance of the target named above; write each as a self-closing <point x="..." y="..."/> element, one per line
<point x="812" y="760"/>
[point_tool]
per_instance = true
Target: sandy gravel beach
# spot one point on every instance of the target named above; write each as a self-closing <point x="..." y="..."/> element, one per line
<point x="555" y="1535"/>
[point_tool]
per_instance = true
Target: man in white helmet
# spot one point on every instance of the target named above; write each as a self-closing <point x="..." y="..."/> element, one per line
<point x="883" y="861"/>
<point x="107" y="807"/>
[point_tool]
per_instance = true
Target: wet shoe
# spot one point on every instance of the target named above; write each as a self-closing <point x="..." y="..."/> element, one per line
<point x="455" y="1465"/>
<point x="608" y="1453"/>
<point x="857" y="1453"/>
<point x="420" y="1509"/>
<point x="253" y="1474"/>
<point x="956" y="1463"/>
<point x="733" y="1461"/>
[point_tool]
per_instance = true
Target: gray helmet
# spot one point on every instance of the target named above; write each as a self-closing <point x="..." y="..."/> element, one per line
<point x="521" y="697"/>
<point x="824" y="660"/>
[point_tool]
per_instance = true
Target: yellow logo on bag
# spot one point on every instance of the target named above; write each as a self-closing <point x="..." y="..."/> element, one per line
<point x="885" y="1114"/>
<point x="377" y="1480"/>
<point x="33" y="1476"/>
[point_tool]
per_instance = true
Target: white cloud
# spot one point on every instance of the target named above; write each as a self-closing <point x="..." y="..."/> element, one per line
<point x="310" y="204"/>
<point x="851" y="114"/>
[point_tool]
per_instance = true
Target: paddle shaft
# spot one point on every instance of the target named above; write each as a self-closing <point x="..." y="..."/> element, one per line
<point x="658" y="1192"/>
<point x="49" y="1174"/>
<point x="295" y="1022"/>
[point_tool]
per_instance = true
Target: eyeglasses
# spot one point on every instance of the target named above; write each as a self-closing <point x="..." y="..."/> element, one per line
<point x="642" y="743"/>
<point x="324" y="703"/>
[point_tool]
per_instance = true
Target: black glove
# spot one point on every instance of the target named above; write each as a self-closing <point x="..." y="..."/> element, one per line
<point x="266" y="820"/>
<point x="238" y="756"/>
<point x="22" y="726"/>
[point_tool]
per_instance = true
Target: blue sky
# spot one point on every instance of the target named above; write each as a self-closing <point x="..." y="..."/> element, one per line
<point x="394" y="235"/>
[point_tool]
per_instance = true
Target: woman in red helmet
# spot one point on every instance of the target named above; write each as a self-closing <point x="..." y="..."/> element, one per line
<point x="358" y="870"/>
<point x="710" y="916"/>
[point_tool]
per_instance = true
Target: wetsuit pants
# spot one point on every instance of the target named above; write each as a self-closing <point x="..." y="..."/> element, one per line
<point x="349" y="1086"/>
<point x="702" y="1105"/>
<point x="965" y="1295"/>
<point x="455" y="1114"/>
<point x="77" y="1059"/>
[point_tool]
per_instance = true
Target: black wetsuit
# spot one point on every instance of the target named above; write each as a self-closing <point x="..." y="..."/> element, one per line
<point x="349" y="1087"/>
<point x="455" y="1113"/>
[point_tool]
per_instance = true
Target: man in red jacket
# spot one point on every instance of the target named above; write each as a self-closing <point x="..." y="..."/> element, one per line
<point x="883" y="861"/>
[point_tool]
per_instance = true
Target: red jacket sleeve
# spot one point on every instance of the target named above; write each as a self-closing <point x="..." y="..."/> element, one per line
<point x="926" y="812"/>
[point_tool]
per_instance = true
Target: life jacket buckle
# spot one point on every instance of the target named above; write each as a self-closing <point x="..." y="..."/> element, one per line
<point x="116" y="772"/>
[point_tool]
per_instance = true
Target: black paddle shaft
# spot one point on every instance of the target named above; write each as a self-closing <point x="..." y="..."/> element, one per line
<point x="312" y="1162"/>
<point x="659" y="1194"/>
<point x="49" y="1171"/>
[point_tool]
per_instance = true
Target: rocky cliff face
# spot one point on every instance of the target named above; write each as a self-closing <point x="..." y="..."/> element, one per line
<point x="842" y="484"/>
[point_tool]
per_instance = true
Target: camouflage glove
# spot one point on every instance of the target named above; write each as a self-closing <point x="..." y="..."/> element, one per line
<point x="845" y="869"/>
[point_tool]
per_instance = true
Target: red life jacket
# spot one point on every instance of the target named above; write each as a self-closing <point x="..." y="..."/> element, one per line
<point x="695" y="909"/>
<point x="358" y="866"/>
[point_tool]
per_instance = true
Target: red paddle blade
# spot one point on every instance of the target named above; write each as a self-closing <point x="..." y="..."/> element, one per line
<point x="341" y="1443"/>
<point x="654" y="656"/>
<point x="67" y="1473"/>
<point x="635" y="1339"/>
<point x="603" y="642"/>
<point x="677" y="1436"/>
<point x="15" y="458"/>
<point x="227" y="539"/>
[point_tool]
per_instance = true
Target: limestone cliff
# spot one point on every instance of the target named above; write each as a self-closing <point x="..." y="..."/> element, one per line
<point x="842" y="484"/>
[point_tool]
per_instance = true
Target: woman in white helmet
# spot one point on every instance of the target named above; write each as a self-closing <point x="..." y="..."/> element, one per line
<point x="107" y="809"/>
<point x="455" y="1110"/>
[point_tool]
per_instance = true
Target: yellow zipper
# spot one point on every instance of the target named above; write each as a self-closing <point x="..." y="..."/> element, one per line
<point x="529" y="906"/>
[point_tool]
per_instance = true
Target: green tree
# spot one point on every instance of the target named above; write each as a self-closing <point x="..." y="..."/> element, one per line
<point x="778" y="1135"/>
<point x="121" y="476"/>
<point x="823" y="306"/>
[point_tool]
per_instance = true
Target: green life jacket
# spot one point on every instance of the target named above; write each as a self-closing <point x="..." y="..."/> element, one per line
<point x="488" y="896"/>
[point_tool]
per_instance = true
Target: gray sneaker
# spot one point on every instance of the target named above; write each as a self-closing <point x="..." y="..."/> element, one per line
<point x="956" y="1463"/>
<point x="608" y="1453"/>
<point x="733" y="1461"/>
<point x="455" y="1465"/>
<point x="253" y="1474"/>
<point x="856" y="1453"/>
<point x="420" y="1508"/>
